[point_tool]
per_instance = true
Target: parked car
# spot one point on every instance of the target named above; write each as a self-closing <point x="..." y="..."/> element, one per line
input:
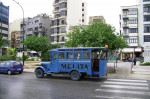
<point x="11" y="67"/>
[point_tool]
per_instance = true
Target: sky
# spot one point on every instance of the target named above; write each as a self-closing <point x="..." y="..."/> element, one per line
<point x="110" y="9"/>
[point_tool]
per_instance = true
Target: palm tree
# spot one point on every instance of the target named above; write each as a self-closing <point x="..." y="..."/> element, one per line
<point x="2" y="41"/>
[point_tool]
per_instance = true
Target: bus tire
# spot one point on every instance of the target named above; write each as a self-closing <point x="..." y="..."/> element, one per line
<point x="75" y="75"/>
<point x="39" y="73"/>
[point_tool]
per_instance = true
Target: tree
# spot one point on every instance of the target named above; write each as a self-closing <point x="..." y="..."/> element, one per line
<point x="96" y="34"/>
<point x="40" y="44"/>
<point x="12" y="52"/>
<point x="2" y="41"/>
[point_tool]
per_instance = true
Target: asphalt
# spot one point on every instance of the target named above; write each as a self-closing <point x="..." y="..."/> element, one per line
<point x="121" y="71"/>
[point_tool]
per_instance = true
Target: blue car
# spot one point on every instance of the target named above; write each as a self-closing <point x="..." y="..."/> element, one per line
<point x="11" y="67"/>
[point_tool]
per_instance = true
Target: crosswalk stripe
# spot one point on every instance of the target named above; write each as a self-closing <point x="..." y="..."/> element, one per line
<point x="125" y="87"/>
<point x="126" y="80"/>
<point x="125" y="83"/>
<point x="114" y="97"/>
<point x="123" y="91"/>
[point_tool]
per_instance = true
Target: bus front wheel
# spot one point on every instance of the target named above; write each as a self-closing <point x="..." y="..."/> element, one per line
<point x="75" y="75"/>
<point x="39" y="73"/>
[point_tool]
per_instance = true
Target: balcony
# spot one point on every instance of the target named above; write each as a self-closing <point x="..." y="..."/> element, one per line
<point x="146" y="13"/>
<point x="125" y="26"/>
<point x="56" y="3"/>
<point x="146" y="2"/>
<point x="60" y="1"/>
<point x="125" y="17"/>
<point x="126" y="35"/>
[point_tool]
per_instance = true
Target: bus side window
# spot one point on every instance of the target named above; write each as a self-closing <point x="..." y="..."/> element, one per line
<point x="86" y="55"/>
<point x="69" y="55"/>
<point x="55" y="56"/>
<point x="61" y="55"/>
<point x="77" y="55"/>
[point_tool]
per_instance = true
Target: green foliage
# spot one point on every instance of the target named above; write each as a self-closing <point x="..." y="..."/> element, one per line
<point x="38" y="44"/>
<point x="45" y="56"/>
<point x="25" y="57"/>
<point x="2" y="41"/>
<point x="145" y="64"/>
<point x="97" y="34"/>
<point x="6" y="58"/>
<point x="32" y="59"/>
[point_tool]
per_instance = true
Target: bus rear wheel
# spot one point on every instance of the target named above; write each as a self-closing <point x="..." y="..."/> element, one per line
<point x="75" y="75"/>
<point x="39" y="73"/>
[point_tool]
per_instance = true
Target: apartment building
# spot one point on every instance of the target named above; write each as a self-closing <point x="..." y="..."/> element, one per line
<point x="129" y="28"/>
<point x="15" y="40"/>
<point x="38" y="26"/>
<point x="67" y="13"/>
<point x="95" y="18"/>
<point x="4" y="20"/>
<point x="14" y="26"/>
<point x="144" y="25"/>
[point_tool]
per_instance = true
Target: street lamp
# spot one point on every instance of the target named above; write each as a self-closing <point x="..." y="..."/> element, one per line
<point x="23" y="26"/>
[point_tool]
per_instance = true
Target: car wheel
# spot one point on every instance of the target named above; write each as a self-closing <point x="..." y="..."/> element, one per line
<point x="75" y="75"/>
<point x="39" y="73"/>
<point x="20" y="72"/>
<point x="9" y="72"/>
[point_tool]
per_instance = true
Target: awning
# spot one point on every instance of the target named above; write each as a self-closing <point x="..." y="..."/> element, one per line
<point x="130" y="50"/>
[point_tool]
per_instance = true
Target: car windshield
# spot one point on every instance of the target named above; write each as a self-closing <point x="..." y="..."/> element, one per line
<point x="17" y="63"/>
<point x="2" y="63"/>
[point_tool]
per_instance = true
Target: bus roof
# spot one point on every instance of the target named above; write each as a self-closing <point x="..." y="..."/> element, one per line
<point x="90" y="48"/>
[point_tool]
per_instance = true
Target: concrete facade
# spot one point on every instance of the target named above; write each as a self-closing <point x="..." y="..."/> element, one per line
<point x="145" y="27"/>
<point x="129" y="28"/>
<point x="67" y="13"/>
<point x="4" y="20"/>
<point x="14" y="26"/>
<point x="94" y="18"/>
<point x="38" y="26"/>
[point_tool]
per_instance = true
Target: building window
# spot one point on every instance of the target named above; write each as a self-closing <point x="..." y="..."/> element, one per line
<point x="146" y="18"/>
<point x="36" y="21"/>
<point x="133" y="21"/>
<point x="63" y="13"/>
<point x="63" y="22"/>
<point x="133" y="30"/>
<point x="82" y="20"/>
<point x="63" y="30"/>
<point x="146" y="29"/>
<point x="82" y="4"/>
<point x="82" y="9"/>
<point x="82" y="14"/>
<point x="146" y="38"/>
<point x="133" y="12"/>
<point x="146" y="9"/>
<point x="63" y="5"/>
<point x="133" y="40"/>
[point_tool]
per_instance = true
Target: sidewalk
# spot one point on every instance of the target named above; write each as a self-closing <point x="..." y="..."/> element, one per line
<point x="123" y="71"/>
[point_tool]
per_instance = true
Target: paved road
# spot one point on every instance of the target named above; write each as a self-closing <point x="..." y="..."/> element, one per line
<point x="27" y="86"/>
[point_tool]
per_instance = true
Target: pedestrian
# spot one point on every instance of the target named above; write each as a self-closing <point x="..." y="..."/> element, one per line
<point x="134" y="60"/>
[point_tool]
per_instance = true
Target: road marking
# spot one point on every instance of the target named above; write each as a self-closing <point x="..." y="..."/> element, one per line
<point x="126" y="80"/>
<point x="114" y="97"/>
<point x="123" y="91"/>
<point x="125" y="83"/>
<point x="125" y="87"/>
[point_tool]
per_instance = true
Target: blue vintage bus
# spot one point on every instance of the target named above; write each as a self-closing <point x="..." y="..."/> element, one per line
<point x="76" y="62"/>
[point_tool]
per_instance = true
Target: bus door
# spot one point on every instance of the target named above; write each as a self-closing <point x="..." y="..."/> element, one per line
<point x="54" y="61"/>
<point x="99" y="66"/>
